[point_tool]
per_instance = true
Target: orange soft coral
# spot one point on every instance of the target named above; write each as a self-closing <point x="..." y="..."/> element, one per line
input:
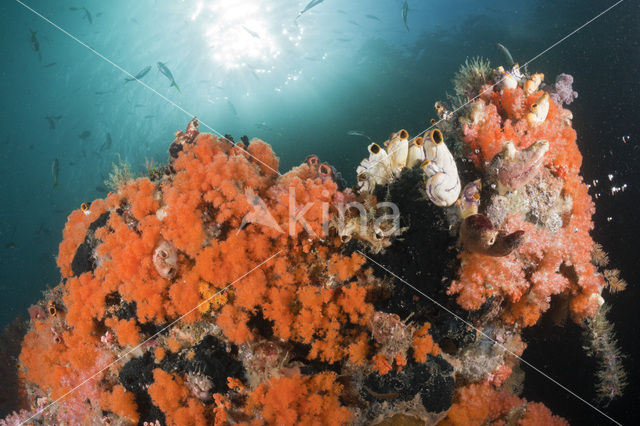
<point x="483" y="276"/>
<point x="121" y="402"/>
<point x="556" y="262"/>
<point x="171" y="395"/>
<point x="358" y="350"/>
<point x="423" y="344"/>
<point x="127" y="331"/>
<point x="502" y="120"/>
<point x="538" y="414"/>
<point x="300" y="400"/>
<point x="74" y="233"/>
<point x="381" y="364"/>
<point x="485" y="138"/>
<point x="481" y="403"/>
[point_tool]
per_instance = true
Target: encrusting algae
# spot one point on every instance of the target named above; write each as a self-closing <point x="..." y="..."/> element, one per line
<point x="218" y="291"/>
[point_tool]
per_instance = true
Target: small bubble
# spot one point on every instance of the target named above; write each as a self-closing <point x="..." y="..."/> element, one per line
<point x="609" y="219"/>
<point x="625" y="139"/>
<point x="493" y="186"/>
<point x="610" y="176"/>
<point x="624" y="187"/>
<point x="595" y="182"/>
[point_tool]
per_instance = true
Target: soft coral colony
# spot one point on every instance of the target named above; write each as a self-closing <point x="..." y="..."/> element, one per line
<point x="318" y="333"/>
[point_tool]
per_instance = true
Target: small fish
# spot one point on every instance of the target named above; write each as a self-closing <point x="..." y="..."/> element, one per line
<point x="263" y="126"/>
<point x="342" y="11"/>
<point x="52" y="120"/>
<point x="253" y="33"/>
<point x="106" y="144"/>
<point x="84" y="135"/>
<point x="52" y="124"/>
<point x="87" y="15"/>
<point x="167" y="73"/>
<point x="138" y="106"/>
<point x="140" y="74"/>
<point x="11" y="244"/>
<point x="149" y="116"/>
<point x="232" y="107"/>
<point x="35" y="44"/>
<point x="49" y="65"/>
<point x="311" y="4"/>
<point x="351" y="21"/>
<point x="102" y="188"/>
<point x="344" y="40"/>
<point x="405" y="12"/>
<point x="55" y="168"/>
<point x="357" y="133"/>
<point x="506" y="54"/>
<point x="43" y="229"/>
<point x="374" y="17"/>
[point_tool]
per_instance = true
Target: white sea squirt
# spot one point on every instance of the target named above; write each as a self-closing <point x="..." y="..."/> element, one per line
<point x="443" y="183"/>
<point x="375" y="170"/>
<point x="539" y="110"/>
<point x="415" y="157"/>
<point x="398" y="150"/>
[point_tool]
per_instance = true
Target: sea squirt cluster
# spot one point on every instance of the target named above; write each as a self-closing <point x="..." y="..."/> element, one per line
<point x="219" y="291"/>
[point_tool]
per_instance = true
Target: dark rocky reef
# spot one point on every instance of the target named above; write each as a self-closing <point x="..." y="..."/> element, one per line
<point x="433" y="380"/>
<point x="425" y="257"/>
<point x="83" y="260"/>
<point x="208" y="360"/>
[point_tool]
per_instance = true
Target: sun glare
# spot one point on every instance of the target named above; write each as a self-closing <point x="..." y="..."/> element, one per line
<point x="243" y="33"/>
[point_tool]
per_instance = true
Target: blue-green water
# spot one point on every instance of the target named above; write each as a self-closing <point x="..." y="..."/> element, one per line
<point x="249" y="67"/>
